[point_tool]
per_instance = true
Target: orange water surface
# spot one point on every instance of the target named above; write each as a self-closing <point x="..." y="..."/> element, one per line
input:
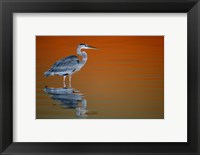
<point x="124" y="79"/>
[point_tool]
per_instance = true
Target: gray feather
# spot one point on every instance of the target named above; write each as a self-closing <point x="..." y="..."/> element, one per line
<point x="64" y="66"/>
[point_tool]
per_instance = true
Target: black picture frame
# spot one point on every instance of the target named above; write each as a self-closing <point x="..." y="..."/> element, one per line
<point x="8" y="7"/>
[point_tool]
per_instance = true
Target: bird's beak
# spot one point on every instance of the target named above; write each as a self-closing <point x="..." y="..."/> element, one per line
<point x="91" y="47"/>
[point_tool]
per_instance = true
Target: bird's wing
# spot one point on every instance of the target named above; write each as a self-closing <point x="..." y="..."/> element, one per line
<point x="65" y="65"/>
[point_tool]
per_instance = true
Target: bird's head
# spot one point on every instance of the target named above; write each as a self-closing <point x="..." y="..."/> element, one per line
<point x="85" y="46"/>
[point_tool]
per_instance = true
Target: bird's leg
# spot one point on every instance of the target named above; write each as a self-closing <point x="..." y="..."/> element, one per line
<point x="70" y="81"/>
<point x="64" y="84"/>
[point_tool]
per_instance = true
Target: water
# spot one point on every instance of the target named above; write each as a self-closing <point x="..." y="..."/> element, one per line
<point x="139" y="100"/>
<point x="122" y="80"/>
<point x="69" y="98"/>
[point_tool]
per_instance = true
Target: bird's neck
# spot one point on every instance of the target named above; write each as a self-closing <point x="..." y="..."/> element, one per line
<point x="79" y="51"/>
<point x="82" y="54"/>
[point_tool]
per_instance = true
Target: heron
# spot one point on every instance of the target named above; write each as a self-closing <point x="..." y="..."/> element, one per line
<point x="69" y="65"/>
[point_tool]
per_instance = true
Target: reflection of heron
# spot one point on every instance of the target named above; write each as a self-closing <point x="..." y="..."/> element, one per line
<point x="69" y="98"/>
<point x="69" y="65"/>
